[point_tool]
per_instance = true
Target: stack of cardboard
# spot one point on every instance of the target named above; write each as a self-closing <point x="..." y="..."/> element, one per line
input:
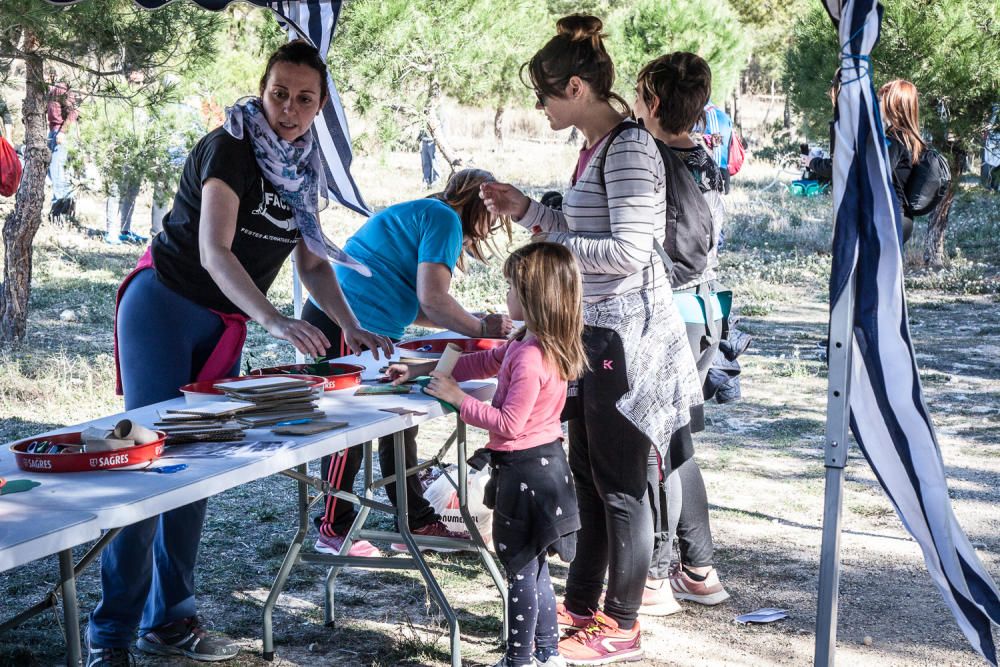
<point x="250" y="403"/>
<point x="203" y="422"/>
<point x="273" y="400"/>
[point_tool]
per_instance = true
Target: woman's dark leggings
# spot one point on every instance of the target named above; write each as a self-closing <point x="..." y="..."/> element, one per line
<point x="341" y="469"/>
<point x="531" y="608"/>
<point x="678" y="499"/>
<point x="685" y="490"/>
<point x="608" y="457"/>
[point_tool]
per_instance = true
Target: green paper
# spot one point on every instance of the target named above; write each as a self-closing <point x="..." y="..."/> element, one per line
<point x="381" y="390"/>
<point x="18" y="485"/>
<point x="425" y="380"/>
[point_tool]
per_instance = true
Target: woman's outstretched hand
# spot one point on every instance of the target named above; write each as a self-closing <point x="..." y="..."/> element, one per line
<point x="504" y="199"/>
<point x="497" y="325"/>
<point x="306" y="338"/>
<point x="358" y="339"/>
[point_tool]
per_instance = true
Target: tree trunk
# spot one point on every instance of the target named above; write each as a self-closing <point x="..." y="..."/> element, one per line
<point x="498" y="125"/>
<point x="22" y="224"/>
<point x="938" y="222"/>
<point x="787" y="117"/>
<point x="735" y="116"/>
<point x="434" y="125"/>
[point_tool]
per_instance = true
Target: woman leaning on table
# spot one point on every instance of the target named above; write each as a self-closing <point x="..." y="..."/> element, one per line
<point x="642" y="379"/>
<point x="412" y="249"/>
<point x="248" y="198"/>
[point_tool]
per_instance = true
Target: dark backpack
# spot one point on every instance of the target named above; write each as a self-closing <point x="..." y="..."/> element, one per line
<point x="690" y="236"/>
<point x="928" y="183"/>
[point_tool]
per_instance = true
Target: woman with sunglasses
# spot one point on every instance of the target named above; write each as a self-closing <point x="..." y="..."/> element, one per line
<point x="642" y="379"/>
<point x="412" y="249"/>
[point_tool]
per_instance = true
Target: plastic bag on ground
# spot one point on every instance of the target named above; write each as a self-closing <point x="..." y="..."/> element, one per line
<point x="442" y="494"/>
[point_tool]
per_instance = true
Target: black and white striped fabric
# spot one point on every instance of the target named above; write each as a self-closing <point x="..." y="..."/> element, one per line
<point x="314" y="20"/>
<point x="889" y="418"/>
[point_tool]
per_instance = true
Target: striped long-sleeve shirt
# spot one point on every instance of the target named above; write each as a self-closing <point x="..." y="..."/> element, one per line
<point x="611" y="227"/>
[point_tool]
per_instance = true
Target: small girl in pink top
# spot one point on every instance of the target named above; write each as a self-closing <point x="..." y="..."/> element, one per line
<point x="531" y="488"/>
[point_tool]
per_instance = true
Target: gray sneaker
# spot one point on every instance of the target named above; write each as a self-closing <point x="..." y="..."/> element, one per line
<point x="188" y="638"/>
<point x="108" y="657"/>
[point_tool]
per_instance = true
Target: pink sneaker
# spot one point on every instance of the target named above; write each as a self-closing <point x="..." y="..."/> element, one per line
<point x="333" y="545"/>
<point x="567" y="620"/>
<point x="602" y="643"/>
<point x="708" y="592"/>
<point x="658" y="599"/>
<point x="436" y="529"/>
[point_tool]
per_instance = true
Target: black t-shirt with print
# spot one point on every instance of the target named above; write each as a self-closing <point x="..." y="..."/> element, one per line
<point x="702" y="167"/>
<point x="264" y="235"/>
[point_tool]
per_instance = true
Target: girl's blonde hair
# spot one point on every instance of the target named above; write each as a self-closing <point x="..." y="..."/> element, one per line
<point x="898" y="102"/>
<point x="547" y="282"/>
<point x="478" y="225"/>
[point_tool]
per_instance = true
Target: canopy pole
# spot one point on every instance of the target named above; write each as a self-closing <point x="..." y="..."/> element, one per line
<point x="839" y="354"/>
<point x="297" y="305"/>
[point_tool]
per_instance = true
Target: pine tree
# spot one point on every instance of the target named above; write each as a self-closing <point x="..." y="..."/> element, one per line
<point x="647" y="29"/>
<point x="949" y="49"/>
<point x="96" y="46"/>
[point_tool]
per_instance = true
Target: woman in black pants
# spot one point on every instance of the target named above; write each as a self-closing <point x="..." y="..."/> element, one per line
<point x="411" y="249"/>
<point x="642" y="380"/>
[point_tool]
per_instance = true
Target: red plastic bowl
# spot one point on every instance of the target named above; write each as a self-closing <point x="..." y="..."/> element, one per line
<point x="344" y="376"/>
<point x="85" y="461"/>
<point x="204" y="390"/>
<point x="437" y="345"/>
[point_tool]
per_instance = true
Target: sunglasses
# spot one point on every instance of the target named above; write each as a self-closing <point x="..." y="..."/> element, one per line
<point x="540" y="97"/>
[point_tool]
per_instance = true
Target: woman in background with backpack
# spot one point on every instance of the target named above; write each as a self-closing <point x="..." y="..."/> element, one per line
<point x="671" y="94"/>
<point x="642" y="380"/>
<point x="901" y="115"/>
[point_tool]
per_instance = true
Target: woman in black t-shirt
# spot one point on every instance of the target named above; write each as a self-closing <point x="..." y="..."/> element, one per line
<point x="248" y="198"/>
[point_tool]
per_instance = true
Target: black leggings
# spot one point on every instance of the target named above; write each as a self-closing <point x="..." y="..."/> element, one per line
<point x="531" y="608"/>
<point x="341" y="469"/>
<point x="608" y="457"/>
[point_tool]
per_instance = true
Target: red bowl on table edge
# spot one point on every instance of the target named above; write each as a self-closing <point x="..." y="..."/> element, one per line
<point x="344" y="376"/>
<point x="207" y="387"/>
<point x="84" y="461"/>
<point x="437" y="345"/>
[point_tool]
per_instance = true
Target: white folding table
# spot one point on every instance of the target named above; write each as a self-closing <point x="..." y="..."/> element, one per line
<point x="27" y="535"/>
<point x="110" y="500"/>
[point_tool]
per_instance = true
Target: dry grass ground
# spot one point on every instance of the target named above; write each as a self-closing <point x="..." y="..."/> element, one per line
<point x="762" y="457"/>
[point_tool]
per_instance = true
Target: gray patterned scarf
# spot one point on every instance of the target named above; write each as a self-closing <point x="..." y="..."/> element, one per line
<point x="295" y="169"/>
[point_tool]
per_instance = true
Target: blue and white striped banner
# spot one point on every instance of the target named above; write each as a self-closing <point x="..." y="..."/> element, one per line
<point x="315" y="21"/>
<point x="889" y="418"/>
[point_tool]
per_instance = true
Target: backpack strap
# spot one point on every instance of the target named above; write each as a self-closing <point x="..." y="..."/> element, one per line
<point x="628" y="124"/>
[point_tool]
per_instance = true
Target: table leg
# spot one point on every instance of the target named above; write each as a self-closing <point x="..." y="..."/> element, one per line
<point x="286" y="566"/>
<point x="71" y="616"/>
<point x="402" y="518"/>
<point x="329" y="611"/>
<point x="470" y="525"/>
<point x="52" y="599"/>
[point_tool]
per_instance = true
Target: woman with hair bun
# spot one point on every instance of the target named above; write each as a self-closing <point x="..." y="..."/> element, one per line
<point x="642" y="380"/>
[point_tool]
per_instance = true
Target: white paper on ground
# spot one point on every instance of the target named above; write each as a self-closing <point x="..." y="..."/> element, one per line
<point x="766" y="615"/>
